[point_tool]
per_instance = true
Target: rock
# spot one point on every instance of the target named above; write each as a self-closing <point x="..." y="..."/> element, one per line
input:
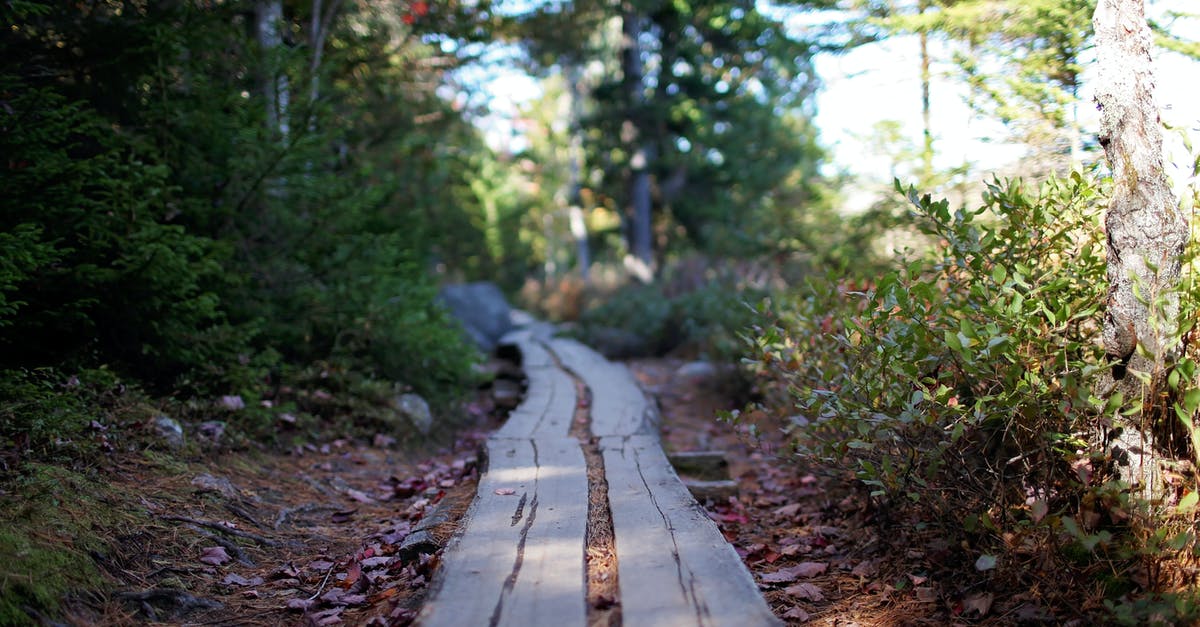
<point x="697" y="371"/>
<point x="617" y="343"/>
<point x="169" y="430"/>
<point x="209" y="483"/>
<point x="212" y="430"/>
<point x="415" y="410"/>
<point x="481" y="309"/>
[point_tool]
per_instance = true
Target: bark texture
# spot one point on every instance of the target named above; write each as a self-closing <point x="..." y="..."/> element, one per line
<point x="641" y="151"/>
<point x="1146" y="230"/>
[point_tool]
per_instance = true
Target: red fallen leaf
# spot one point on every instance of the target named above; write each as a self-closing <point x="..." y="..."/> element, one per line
<point x="408" y="18"/>
<point x="806" y="591"/>
<point x="864" y="569"/>
<point x="420" y="7"/>
<point x="771" y="556"/>
<point x="505" y="491"/>
<point x="797" y="615"/>
<point x="792" y="573"/>
<point x="352" y="575"/>
<point x="300" y="604"/>
<point x="214" y="555"/>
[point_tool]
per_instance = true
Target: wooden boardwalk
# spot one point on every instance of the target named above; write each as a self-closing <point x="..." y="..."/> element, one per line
<point x="519" y="559"/>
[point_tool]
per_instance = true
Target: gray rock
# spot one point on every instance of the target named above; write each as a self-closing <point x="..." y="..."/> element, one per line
<point x="481" y="309"/>
<point x="415" y="410"/>
<point x="221" y="485"/>
<point x="697" y="371"/>
<point x="617" y="343"/>
<point x="169" y="430"/>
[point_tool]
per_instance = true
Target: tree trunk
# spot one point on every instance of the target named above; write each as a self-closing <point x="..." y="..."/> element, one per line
<point x="641" y="152"/>
<point x="268" y="21"/>
<point x="927" y="145"/>
<point x="1146" y="230"/>
<point x="574" y="78"/>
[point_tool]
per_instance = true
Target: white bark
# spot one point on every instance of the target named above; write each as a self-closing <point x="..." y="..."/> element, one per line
<point x="1146" y="230"/>
<point x="1146" y="236"/>
<point x="268" y="21"/>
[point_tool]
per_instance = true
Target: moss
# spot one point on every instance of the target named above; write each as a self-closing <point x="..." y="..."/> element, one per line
<point x="50" y="537"/>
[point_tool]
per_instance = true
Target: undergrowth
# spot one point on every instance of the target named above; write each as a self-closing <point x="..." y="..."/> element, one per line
<point x="961" y="388"/>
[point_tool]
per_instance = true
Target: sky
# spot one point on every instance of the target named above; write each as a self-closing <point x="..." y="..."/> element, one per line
<point x="880" y="81"/>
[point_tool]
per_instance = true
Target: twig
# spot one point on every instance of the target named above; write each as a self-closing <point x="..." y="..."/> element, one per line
<point x="324" y="581"/>
<point x="223" y="529"/>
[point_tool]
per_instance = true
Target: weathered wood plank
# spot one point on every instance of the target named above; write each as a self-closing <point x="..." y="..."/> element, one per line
<point x="547" y="410"/>
<point x="619" y="407"/>
<point x="520" y="560"/>
<point x="674" y="567"/>
<point x="533" y="352"/>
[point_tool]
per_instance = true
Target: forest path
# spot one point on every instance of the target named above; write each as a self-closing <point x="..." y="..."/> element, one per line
<point x="579" y="518"/>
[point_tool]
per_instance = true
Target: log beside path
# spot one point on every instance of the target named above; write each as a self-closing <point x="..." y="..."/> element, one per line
<point x="519" y="558"/>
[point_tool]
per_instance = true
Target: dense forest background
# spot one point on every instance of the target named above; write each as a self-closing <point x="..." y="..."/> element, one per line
<point x="209" y="205"/>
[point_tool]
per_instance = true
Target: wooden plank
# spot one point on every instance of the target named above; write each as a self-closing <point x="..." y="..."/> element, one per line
<point x="547" y="410"/>
<point x="674" y="566"/>
<point x="520" y="559"/>
<point x="533" y="351"/>
<point x="619" y="407"/>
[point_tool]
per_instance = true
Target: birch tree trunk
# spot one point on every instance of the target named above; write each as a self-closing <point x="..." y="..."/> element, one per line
<point x="268" y="21"/>
<point x="578" y="225"/>
<point x="641" y="152"/>
<point x="1146" y="230"/>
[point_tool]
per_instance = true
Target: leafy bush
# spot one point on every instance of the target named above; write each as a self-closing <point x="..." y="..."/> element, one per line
<point x="964" y="382"/>
<point x="704" y="320"/>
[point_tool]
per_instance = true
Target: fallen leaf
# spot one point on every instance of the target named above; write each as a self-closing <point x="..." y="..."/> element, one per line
<point x="788" y="510"/>
<point x="806" y="591"/>
<point x="792" y="573"/>
<point x="300" y="604"/>
<point x="352" y="575"/>
<point x="234" y="579"/>
<point x="321" y="565"/>
<point x="1038" y="510"/>
<point x="505" y="491"/>
<point x="917" y="579"/>
<point x="864" y="569"/>
<point x="214" y="555"/>
<point x="359" y="495"/>
<point x="926" y="594"/>
<point x="980" y="602"/>
<point x="985" y="562"/>
<point x="796" y="614"/>
<point x="345" y="516"/>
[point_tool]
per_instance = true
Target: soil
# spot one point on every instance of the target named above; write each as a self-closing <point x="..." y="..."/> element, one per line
<point x="325" y="534"/>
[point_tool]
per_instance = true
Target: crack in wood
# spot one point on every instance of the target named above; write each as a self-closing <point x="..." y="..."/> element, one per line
<point x="520" y="510"/>
<point x="511" y="580"/>
<point x="687" y="587"/>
